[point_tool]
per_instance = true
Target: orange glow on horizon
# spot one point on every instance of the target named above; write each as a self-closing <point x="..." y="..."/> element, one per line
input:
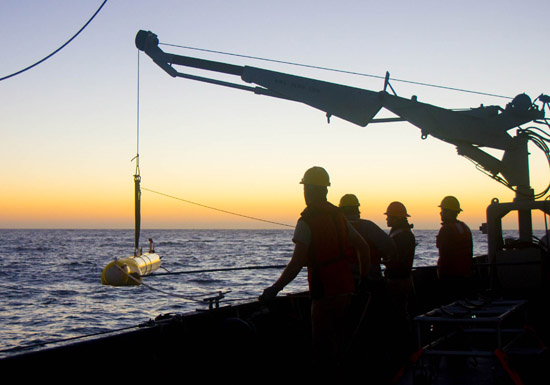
<point x="76" y="204"/>
<point x="157" y="211"/>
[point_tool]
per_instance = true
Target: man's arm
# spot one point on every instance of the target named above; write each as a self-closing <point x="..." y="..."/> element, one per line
<point x="444" y="241"/>
<point x="380" y="240"/>
<point x="294" y="266"/>
<point x="363" y="251"/>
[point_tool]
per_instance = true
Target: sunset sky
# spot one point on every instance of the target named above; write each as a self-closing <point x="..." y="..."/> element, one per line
<point x="69" y="125"/>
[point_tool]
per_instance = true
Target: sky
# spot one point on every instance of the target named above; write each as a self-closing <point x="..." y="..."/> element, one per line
<point x="70" y="125"/>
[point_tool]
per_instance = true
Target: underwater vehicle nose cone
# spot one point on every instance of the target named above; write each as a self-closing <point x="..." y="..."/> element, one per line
<point x="128" y="271"/>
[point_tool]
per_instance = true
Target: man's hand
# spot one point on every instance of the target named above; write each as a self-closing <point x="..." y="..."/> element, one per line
<point x="269" y="293"/>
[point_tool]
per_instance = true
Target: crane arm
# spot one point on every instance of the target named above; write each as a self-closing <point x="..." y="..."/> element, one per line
<point x="468" y="130"/>
<point x="347" y="103"/>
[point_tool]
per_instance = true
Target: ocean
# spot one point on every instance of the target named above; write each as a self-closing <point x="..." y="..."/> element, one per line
<point x="51" y="279"/>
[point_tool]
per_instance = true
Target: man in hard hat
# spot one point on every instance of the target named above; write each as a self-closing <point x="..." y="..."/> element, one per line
<point x="321" y="238"/>
<point x="399" y="283"/>
<point x="455" y="244"/>
<point x="398" y="268"/>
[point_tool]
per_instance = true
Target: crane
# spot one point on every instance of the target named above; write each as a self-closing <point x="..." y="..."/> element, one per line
<point x="470" y="131"/>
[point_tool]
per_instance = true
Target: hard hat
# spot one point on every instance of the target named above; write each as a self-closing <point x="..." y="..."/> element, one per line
<point x="450" y="203"/>
<point x="316" y="176"/>
<point x="397" y="209"/>
<point x="349" y="200"/>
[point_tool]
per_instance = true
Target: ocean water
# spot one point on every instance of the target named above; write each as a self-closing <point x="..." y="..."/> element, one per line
<point x="51" y="279"/>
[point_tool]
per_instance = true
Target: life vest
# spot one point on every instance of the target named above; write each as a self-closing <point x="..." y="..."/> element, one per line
<point x="400" y="266"/>
<point x="329" y="273"/>
<point x="455" y="245"/>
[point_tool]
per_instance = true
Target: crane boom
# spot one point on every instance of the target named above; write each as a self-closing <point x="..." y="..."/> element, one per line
<point x="467" y="130"/>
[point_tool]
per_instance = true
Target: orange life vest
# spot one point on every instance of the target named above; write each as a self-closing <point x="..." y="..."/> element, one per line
<point x="329" y="273"/>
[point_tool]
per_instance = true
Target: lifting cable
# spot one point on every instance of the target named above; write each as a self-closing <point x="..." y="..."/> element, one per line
<point x="336" y="70"/>
<point x="137" y="176"/>
<point x="59" y="49"/>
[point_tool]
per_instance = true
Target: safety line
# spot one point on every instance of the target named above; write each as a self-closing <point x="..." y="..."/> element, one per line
<point x="57" y="50"/>
<point x="337" y="70"/>
<point x="217" y="270"/>
<point x="216" y="209"/>
<point x="153" y="288"/>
